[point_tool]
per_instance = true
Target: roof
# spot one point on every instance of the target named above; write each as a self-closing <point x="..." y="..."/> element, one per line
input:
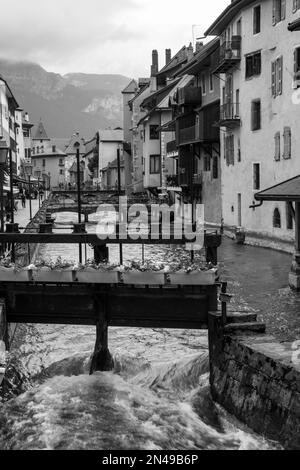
<point x="165" y="103"/>
<point x="10" y="93"/>
<point x="294" y="26"/>
<point x="201" y="59"/>
<point x="76" y="138"/>
<point x="286" y="191"/>
<point x="111" y="135"/>
<point x="49" y="153"/>
<point x="155" y="97"/>
<point x="178" y="59"/>
<point x="60" y="143"/>
<point x="131" y="87"/>
<point x="90" y="145"/>
<point x="227" y="16"/>
<point x="41" y="133"/>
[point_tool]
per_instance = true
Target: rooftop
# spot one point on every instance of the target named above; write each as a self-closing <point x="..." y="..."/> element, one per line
<point x="288" y="190"/>
<point x="227" y="16"/>
<point x="111" y="135"/>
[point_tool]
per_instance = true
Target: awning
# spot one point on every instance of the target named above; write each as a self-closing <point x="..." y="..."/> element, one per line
<point x="286" y="191"/>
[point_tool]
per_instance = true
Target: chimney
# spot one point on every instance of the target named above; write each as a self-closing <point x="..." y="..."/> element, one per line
<point x="168" y="56"/>
<point x="154" y="66"/>
<point x="190" y="52"/>
<point x="199" y="46"/>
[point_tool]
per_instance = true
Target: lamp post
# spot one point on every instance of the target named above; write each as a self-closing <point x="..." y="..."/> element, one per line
<point x="3" y="157"/>
<point x="119" y="193"/>
<point x="38" y="174"/>
<point x="28" y="170"/>
<point x="77" y="147"/>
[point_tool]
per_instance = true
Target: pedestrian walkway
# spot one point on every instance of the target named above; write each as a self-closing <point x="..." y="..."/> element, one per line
<point x="22" y="216"/>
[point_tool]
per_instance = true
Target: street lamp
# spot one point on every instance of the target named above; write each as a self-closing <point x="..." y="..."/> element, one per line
<point x="77" y="148"/>
<point x="28" y="172"/>
<point x="3" y="157"/>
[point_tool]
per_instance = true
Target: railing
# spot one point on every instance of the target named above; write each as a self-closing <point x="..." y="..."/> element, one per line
<point x="229" y="53"/>
<point x="230" y="111"/>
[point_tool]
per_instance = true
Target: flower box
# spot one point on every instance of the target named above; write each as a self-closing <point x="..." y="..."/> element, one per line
<point x="199" y="278"/>
<point x="143" y="278"/>
<point x="15" y="275"/>
<point x="96" y="277"/>
<point x="48" y="275"/>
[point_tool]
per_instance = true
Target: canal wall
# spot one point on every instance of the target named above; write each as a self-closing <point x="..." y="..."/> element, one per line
<point x="264" y="240"/>
<point x="255" y="378"/>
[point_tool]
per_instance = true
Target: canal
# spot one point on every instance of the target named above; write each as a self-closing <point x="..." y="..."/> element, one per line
<point x="158" y="395"/>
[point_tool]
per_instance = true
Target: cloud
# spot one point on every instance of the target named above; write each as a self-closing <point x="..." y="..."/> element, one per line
<point x="103" y="36"/>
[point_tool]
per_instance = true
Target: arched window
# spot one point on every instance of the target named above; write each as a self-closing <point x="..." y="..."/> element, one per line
<point x="276" y="218"/>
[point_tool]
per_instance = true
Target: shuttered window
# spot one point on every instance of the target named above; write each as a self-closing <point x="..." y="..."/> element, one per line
<point x="287" y="143"/>
<point x="279" y="11"/>
<point x="229" y="149"/>
<point x="277" y="146"/>
<point x="277" y="76"/>
<point x="296" y="67"/>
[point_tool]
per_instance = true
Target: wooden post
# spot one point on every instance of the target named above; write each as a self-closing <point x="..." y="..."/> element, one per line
<point x="3" y="324"/>
<point x="294" y="278"/>
<point x="102" y="360"/>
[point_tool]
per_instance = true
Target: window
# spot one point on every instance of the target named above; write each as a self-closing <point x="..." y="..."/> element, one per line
<point x="211" y="82"/>
<point x="278" y="11"/>
<point x="277" y="73"/>
<point x="276" y="218"/>
<point x="203" y="84"/>
<point x="296" y="68"/>
<point x="33" y="151"/>
<point x="154" y="134"/>
<point x="256" y="176"/>
<point x="53" y="148"/>
<point x="287" y="143"/>
<point x="277" y="146"/>
<point x="289" y="216"/>
<point x="229" y="149"/>
<point x="256" y="19"/>
<point x="61" y="162"/>
<point x="42" y="149"/>
<point x="155" y="161"/>
<point x="38" y="150"/>
<point x="296" y="5"/>
<point x="44" y="163"/>
<point x="206" y="163"/>
<point x="215" y="168"/>
<point x="61" y="172"/>
<point x="255" y="115"/>
<point x="253" y="64"/>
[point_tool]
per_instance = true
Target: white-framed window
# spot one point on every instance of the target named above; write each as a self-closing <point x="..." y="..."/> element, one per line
<point x="256" y="176"/>
<point x="257" y="19"/>
<point x="279" y="11"/>
<point x="277" y="146"/>
<point x="287" y="143"/>
<point x="277" y="76"/>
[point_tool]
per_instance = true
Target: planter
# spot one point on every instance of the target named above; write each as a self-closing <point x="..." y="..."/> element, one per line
<point x="12" y="275"/>
<point x="96" y="277"/>
<point x="202" y="278"/>
<point x="47" y="275"/>
<point x="144" y="278"/>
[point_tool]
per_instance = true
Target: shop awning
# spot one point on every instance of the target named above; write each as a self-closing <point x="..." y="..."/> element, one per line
<point x="286" y="191"/>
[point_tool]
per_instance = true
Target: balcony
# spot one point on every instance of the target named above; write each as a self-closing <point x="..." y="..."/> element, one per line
<point x="189" y="96"/>
<point x="229" y="56"/>
<point x="172" y="150"/>
<point x="187" y="135"/>
<point x="230" y="115"/>
<point x="198" y="179"/>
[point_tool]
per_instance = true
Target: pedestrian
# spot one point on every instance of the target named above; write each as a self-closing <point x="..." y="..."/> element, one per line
<point x="23" y="198"/>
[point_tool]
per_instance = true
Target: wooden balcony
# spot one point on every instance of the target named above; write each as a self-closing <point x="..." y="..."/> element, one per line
<point x="230" y="115"/>
<point x="172" y="149"/>
<point x="188" y="135"/>
<point x="189" y="96"/>
<point x="230" y="55"/>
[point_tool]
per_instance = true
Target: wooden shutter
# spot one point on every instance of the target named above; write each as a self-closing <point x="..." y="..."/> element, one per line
<point x="274" y="79"/>
<point x="280" y="74"/>
<point x="283" y="9"/>
<point x="287" y="137"/>
<point x="277" y="146"/>
<point x="274" y="12"/>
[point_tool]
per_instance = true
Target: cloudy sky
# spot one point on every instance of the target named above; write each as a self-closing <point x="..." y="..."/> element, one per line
<point x="100" y="36"/>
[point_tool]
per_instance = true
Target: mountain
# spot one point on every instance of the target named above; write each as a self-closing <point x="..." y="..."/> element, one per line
<point x="66" y="103"/>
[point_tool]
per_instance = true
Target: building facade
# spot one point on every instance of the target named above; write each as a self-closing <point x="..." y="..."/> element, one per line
<point x="258" y="60"/>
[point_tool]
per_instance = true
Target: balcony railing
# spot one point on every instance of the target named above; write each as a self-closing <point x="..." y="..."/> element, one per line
<point x="230" y="115"/>
<point x="230" y="55"/>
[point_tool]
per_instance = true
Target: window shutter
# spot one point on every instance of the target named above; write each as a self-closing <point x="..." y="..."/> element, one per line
<point x="287" y="136"/>
<point x="274" y="79"/>
<point x="283" y="9"/>
<point x="274" y="12"/>
<point x="277" y="146"/>
<point x="280" y="74"/>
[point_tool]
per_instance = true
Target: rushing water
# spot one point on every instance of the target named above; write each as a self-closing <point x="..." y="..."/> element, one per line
<point x="156" y="398"/>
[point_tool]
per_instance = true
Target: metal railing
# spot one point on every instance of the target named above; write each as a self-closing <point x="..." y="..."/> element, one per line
<point x="230" y="111"/>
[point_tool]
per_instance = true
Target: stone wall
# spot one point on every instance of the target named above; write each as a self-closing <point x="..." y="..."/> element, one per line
<point x="253" y="377"/>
